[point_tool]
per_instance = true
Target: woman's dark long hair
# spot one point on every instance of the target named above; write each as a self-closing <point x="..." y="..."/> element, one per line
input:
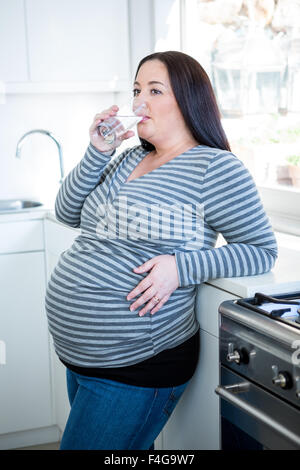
<point x="195" y="97"/>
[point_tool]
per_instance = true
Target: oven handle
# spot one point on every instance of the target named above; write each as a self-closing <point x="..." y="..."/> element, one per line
<point x="229" y="392"/>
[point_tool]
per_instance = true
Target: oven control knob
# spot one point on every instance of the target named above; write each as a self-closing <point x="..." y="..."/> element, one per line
<point x="239" y="356"/>
<point x="282" y="378"/>
<point x="244" y="356"/>
<point x="298" y="387"/>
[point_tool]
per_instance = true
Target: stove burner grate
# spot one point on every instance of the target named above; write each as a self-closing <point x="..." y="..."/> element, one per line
<point x="287" y="311"/>
<point x="281" y="311"/>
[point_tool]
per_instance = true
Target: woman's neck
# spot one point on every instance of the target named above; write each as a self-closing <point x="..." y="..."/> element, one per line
<point x="170" y="150"/>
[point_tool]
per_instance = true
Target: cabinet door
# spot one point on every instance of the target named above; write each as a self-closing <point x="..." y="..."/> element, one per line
<point x="207" y="303"/>
<point x="25" y="378"/>
<point x="58" y="238"/>
<point x="60" y="394"/>
<point x="194" y="423"/>
<point x="13" y="58"/>
<point x="24" y="235"/>
<point x="75" y="40"/>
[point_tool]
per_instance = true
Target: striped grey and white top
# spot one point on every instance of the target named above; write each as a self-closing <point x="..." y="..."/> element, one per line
<point x="178" y="209"/>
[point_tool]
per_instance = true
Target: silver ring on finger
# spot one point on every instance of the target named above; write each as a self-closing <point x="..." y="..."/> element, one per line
<point x="156" y="299"/>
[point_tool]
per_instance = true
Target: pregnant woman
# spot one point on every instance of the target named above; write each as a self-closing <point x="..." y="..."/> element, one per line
<point x="121" y="301"/>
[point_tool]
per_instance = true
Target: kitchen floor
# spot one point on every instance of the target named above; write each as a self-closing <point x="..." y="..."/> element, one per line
<point x="50" y="446"/>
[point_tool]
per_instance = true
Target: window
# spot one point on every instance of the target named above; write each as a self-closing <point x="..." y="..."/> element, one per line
<point x="251" y="51"/>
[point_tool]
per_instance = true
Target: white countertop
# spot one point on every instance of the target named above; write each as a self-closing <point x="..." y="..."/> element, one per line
<point x="284" y="277"/>
<point x="24" y="214"/>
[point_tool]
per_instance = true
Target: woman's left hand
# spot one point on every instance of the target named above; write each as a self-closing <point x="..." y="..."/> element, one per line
<point x="157" y="286"/>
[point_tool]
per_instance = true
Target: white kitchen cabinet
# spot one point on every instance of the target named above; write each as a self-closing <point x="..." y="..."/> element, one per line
<point x="64" y="46"/>
<point x="195" y="422"/>
<point x="26" y="405"/>
<point x="58" y="238"/>
<point x="58" y="371"/>
<point x="25" y="378"/>
<point x="13" y="58"/>
<point x="21" y="236"/>
<point x="75" y="40"/>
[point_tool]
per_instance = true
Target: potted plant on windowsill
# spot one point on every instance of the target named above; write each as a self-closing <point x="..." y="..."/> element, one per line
<point x="294" y="169"/>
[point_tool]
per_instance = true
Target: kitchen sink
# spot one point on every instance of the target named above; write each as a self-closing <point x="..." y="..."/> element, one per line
<point x="7" y="205"/>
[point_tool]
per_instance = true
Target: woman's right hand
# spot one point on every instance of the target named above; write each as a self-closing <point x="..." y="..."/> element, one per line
<point x="96" y="139"/>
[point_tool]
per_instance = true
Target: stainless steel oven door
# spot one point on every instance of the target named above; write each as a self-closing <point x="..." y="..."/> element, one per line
<point x="263" y="416"/>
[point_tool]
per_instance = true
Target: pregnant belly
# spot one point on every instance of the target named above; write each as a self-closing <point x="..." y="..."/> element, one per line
<point x="97" y="272"/>
<point x="86" y="297"/>
<point x="88" y="313"/>
<point x="95" y="285"/>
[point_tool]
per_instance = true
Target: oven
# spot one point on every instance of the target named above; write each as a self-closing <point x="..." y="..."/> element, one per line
<point x="260" y="372"/>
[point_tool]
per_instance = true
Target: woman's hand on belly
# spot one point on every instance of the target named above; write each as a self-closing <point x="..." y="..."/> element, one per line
<point x="156" y="288"/>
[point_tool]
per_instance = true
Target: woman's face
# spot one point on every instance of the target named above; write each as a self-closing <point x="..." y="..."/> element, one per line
<point x="163" y="121"/>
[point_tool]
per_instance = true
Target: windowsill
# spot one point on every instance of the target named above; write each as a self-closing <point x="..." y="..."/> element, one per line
<point x="283" y="207"/>
<point x="284" y="189"/>
<point x="288" y="241"/>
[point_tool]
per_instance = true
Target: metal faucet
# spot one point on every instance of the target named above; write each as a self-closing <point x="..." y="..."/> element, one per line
<point x="49" y="134"/>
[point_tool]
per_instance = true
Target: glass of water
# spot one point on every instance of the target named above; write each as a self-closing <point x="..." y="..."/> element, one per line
<point x="114" y="127"/>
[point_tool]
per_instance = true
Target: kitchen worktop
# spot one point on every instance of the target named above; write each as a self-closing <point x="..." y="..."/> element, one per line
<point x="284" y="277"/>
<point x="25" y="214"/>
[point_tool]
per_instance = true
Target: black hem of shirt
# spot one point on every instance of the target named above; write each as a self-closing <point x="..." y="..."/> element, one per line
<point x="169" y="368"/>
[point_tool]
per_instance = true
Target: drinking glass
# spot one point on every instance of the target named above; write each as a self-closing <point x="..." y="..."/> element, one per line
<point x="114" y="127"/>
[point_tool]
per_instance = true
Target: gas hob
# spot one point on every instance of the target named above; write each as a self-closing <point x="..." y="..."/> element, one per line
<point x="260" y="367"/>
<point x="284" y="308"/>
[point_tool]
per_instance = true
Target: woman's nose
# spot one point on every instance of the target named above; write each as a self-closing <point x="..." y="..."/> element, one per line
<point x="139" y="106"/>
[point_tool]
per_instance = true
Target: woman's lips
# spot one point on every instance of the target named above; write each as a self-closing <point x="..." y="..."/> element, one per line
<point x="145" y="118"/>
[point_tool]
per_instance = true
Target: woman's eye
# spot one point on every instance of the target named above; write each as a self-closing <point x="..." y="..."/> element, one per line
<point x="153" y="91"/>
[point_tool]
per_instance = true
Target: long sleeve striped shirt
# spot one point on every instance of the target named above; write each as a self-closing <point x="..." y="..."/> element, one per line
<point x="177" y="209"/>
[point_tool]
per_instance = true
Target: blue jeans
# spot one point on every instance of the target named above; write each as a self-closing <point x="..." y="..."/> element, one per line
<point x="109" y="415"/>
